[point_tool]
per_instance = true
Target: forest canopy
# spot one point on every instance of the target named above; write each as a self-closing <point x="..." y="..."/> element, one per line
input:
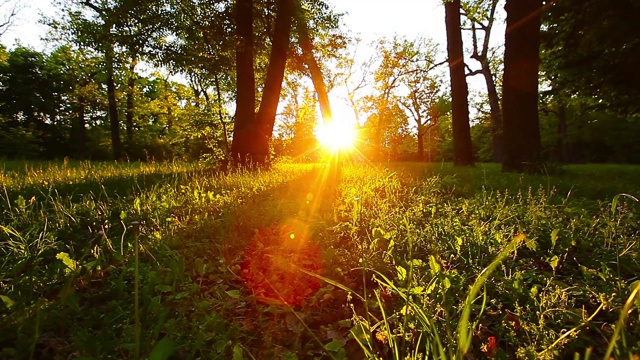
<point x="167" y="80"/>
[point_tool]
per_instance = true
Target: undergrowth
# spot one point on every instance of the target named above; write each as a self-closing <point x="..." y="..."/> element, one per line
<point x="310" y="261"/>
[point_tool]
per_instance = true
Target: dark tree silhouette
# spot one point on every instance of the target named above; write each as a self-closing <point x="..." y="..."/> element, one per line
<point x="243" y="147"/>
<point x="462" y="150"/>
<point x="521" y="125"/>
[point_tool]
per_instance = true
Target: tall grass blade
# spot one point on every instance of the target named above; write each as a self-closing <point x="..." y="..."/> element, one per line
<point x="621" y="319"/>
<point x="464" y="335"/>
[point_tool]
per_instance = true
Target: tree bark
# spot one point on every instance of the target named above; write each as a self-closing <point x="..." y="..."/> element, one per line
<point x="496" y="113"/>
<point x="243" y="147"/>
<point x="316" y="73"/>
<point x="462" y="150"/>
<point x="521" y="125"/>
<point x="562" y="132"/>
<point x="420" y="143"/>
<point x="225" y="133"/>
<point x="81" y="130"/>
<point x="266" y="116"/>
<point x="482" y="56"/>
<point x="131" y="89"/>
<point x="114" y="121"/>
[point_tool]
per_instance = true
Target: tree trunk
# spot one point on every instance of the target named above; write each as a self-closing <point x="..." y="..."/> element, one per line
<point x="521" y="126"/>
<point x="113" y="105"/>
<point x="266" y="116"/>
<point x="420" y="144"/>
<point x="244" y="132"/>
<point x="492" y="93"/>
<point x="462" y="150"/>
<point x="225" y="133"/>
<point x="496" y="112"/>
<point x="81" y="131"/>
<point x="562" y="133"/>
<point x="131" y="89"/>
<point x="316" y="73"/>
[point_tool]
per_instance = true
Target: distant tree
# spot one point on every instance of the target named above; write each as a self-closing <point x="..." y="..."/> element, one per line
<point x="520" y="86"/>
<point x="33" y="89"/>
<point x="463" y="152"/>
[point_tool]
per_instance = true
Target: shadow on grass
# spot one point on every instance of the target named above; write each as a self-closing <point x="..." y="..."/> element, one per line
<point x="592" y="181"/>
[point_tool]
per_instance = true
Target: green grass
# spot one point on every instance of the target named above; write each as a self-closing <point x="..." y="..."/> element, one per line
<point x="105" y="260"/>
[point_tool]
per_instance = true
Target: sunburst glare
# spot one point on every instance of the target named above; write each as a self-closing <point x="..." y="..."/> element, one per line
<point x="336" y="135"/>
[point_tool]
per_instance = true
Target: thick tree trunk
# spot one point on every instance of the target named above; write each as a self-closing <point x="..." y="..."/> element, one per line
<point x="245" y="132"/>
<point x="462" y="150"/>
<point x="521" y="126"/>
<point x="113" y="105"/>
<point x="316" y="73"/>
<point x="266" y="116"/>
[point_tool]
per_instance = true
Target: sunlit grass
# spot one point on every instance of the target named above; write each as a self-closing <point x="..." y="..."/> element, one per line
<point x="408" y="265"/>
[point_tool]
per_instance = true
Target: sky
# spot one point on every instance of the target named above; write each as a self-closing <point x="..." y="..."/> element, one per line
<point x="367" y="19"/>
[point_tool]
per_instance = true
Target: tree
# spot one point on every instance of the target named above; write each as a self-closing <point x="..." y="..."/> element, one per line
<point x="481" y="14"/>
<point x="520" y="86"/>
<point x="245" y="131"/>
<point x="463" y="152"/>
<point x="591" y="47"/>
<point x="9" y="9"/>
<point x="252" y="132"/>
<point x="426" y="106"/>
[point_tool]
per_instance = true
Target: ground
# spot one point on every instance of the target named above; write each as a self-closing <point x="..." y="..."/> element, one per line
<point x="177" y="260"/>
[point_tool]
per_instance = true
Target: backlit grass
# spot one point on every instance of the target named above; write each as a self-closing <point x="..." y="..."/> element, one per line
<point x="314" y="261"/>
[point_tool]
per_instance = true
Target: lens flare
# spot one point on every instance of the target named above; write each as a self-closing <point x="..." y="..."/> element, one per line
<point x="336" y="135"/>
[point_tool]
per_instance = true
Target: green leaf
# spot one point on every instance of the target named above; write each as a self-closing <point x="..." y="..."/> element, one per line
<point x="163" y="288"/>
<point x="237" y="352"/>
<point x="66" y="259"/>
<point x="234" y="293"/>
<point x="554" y="238"/>
<point x="434" y="265"/>
<point x="163" y="349"/>
<point x="136" y="205"/>
<point x="334" y="346"/>
<point x="446" y="283"/>
<point x="402" y="273"/>
<point x="531" y="244"/>
<point x="344" y="323"/>
<point x="7" y="301"/>
<point x="416" y="262"/>
<point x="554" y="262"/>
<point x="123" y="215"/>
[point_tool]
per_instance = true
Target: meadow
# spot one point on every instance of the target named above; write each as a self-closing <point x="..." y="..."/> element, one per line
<point x="315" y="261"/>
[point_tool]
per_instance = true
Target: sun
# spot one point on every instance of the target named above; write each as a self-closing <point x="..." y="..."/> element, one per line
<point x="336" y="135"/>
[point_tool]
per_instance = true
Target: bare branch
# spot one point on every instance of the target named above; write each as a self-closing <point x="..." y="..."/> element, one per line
<point x="10" y="16"/>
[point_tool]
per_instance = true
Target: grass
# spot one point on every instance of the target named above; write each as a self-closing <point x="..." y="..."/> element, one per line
<point x="176" y="260"/>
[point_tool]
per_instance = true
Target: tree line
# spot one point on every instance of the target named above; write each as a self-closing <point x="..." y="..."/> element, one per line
<point x="222" y="79"/>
